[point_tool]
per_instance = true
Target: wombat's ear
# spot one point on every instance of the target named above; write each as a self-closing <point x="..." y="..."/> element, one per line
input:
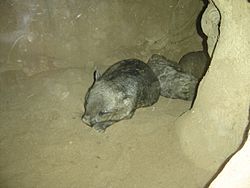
<point x="97" y="75"/>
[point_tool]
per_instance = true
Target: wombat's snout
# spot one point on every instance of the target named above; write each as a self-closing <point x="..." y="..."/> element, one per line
<point x="86" y="120"/>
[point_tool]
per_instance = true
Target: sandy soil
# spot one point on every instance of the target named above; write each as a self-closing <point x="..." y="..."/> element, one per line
<point x="43" y="143"/>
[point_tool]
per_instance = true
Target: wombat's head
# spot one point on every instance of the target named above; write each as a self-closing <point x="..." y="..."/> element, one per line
<point x="105" y="104"/>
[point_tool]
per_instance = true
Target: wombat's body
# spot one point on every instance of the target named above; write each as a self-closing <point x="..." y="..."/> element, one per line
<point x="174" y="82"/>
<point x="195" y="63"/>
<point x="124" y="87"/>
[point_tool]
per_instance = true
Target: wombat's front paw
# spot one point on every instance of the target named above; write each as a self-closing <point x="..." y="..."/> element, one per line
<point x="99" y="128"/>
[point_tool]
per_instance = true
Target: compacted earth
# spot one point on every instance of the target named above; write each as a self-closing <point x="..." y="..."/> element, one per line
<point x="43" y="142"/>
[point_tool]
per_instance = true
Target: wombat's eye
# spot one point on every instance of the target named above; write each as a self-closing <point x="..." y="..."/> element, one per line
<point x="101" y="113"/>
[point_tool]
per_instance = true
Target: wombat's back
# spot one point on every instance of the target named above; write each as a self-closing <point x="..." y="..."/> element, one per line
<point x="134" y="78"/>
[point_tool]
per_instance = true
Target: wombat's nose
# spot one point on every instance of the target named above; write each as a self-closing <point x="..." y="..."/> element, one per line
<point x="86" y="119"/>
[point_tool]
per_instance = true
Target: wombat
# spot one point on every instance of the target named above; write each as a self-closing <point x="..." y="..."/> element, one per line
<point x="174" y="82"/>
<point x="118" y="92"/>
<point x="195" y="63"/>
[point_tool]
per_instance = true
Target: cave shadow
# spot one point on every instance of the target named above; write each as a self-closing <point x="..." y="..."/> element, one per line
<point x="204" y="44"/>
<point x="199" y="28"/>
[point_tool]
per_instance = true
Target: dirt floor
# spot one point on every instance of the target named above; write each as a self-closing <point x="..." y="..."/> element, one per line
<point x="43" y="143"/>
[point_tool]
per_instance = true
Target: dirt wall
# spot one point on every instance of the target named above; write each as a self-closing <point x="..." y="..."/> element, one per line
<point x="214" y="128"/>
<point x="43" y="35"/>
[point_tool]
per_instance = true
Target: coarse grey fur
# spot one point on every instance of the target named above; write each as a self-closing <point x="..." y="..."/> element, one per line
<point x="115" y="95"/>
<point x="195" y="63"/>
<point x="174" y="82"/>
